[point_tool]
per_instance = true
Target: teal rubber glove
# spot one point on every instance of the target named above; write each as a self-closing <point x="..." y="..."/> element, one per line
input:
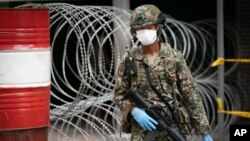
<point x="143" y="119"/>
<point x="207" y="137"/>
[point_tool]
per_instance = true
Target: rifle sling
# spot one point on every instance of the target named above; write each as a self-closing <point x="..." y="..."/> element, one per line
<point x="176" y="119"/>
<point x="147" y="72"/>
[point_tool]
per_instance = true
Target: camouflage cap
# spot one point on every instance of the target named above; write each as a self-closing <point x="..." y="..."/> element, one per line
<point x="144" y="15"/>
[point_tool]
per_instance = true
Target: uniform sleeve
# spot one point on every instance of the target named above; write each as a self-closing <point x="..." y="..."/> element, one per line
<point x="191" y="98"/>
<point x="120" y="90"/>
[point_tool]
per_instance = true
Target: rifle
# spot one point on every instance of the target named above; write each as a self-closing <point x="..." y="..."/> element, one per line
<point x="160" y="116"/>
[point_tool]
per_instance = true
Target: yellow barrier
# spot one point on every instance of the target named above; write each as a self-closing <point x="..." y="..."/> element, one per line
<point x="221" y="61"/>
<point x="235" y="113"/>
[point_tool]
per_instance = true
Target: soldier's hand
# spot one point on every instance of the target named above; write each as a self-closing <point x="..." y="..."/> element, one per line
<point x="207" y="137"/>
<point x="143" y="119"/>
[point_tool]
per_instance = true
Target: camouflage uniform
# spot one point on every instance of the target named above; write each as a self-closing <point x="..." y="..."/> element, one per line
<point x="168" y="71"/>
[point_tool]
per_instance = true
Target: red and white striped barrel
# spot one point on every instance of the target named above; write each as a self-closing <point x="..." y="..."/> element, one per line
<point x="24" y="69"/>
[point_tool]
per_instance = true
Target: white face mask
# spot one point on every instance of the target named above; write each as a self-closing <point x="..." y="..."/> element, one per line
<point x="146" y="36"/>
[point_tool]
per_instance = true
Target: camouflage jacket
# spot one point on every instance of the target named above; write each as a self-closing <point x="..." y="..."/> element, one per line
<point x="169" y="68"/>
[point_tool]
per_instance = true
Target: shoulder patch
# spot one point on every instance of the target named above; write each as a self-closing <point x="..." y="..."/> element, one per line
<point x="178" y="54"/>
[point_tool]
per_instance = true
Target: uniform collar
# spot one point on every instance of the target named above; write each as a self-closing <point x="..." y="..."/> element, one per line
<point x="162" y="53"/>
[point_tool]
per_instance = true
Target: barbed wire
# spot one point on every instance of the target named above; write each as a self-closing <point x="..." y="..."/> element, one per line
<point x="87" y="43"/>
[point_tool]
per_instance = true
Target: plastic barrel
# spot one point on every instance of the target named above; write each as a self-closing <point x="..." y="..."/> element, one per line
<point x="24" y="74"/>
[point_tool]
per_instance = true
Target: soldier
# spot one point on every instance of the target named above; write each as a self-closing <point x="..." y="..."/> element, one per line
<point x="168" y="70"/>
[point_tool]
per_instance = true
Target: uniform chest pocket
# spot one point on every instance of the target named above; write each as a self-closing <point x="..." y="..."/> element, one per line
<point x="170" y="70"/>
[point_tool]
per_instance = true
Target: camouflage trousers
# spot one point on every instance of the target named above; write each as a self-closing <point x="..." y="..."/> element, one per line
<point x="138" y="134"/>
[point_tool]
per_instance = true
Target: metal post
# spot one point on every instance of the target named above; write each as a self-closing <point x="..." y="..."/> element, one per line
<point x="120" y="47"/>
<point x="123" y="4"/>
<point x="220" y="45"/>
